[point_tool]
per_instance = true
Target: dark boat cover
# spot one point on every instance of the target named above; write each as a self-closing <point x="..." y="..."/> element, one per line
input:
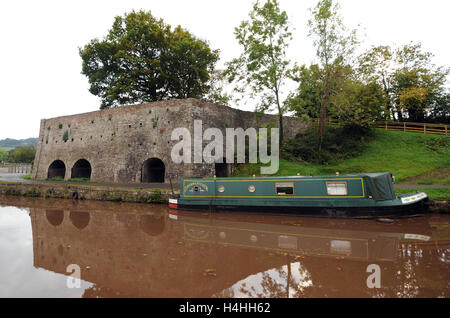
<point x="380" y="186"/>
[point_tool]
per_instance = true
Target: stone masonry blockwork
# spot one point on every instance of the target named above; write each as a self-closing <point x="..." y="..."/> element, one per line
<point x="116" y="142"/>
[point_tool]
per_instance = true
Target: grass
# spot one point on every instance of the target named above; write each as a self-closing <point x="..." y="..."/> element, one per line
<point x="440" y="194"/>
<point x="79" y="179"/>
<point x="55" y="179"/>
<point x="26" y="177"/>
<point x="405" y="155"/>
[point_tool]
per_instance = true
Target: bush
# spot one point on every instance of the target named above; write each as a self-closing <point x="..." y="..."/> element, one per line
<point x="79" y="180"/>
<point x="436" y="144"/>
<point x="116" y="198"/>
<point x="55" y="179"/>
<point x="66" y="136"/>
<point x="156" y="197"/>
<point x="338" y="143"/>
<point x="23" y="154"/>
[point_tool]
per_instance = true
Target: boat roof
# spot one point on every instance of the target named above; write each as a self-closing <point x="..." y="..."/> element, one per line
<point x="356" y="175"/>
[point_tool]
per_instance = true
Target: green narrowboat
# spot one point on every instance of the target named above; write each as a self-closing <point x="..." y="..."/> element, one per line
<point x="353" y="195"/>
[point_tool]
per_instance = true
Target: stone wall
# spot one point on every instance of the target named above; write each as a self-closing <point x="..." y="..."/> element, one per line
<point x="117" y="142"/>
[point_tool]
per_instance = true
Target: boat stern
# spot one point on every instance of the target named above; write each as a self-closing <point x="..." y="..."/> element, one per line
<point x="413" y="198"/>
<point x="173" y="203"/>
<point x="416" y="202"/>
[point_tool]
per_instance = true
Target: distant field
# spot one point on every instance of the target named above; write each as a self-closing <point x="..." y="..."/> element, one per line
<point x="6" y="148"/>
<point x="406" y="155"/>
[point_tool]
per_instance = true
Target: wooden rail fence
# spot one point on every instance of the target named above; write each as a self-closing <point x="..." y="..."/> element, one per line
<point x="437" y="129"/>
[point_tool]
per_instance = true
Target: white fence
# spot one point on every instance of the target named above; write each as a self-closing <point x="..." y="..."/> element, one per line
<point x="19" y="168"/>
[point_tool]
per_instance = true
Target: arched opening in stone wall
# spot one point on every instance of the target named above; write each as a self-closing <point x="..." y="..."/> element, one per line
<point x="222" y="170"/>
<point x="81" y="169"/>
<point x="56" y="169"/>
<point x="153" y="170"/>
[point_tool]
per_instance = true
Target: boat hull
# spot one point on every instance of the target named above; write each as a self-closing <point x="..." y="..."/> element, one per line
<point x="401" y="210"/>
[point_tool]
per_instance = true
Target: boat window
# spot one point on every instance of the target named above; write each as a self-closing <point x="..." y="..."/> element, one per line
<point x="284" y="188"/>
<point x="251" y="188"/>
<point x="341" y="247"/>
<point x="337" y="188"/>
<point x="221" y="189"/>
<point x="286" y="241"/>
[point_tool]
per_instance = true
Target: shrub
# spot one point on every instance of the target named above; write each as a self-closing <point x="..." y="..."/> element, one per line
<point x="155" y="121"/>
<point x="79" y="179"/>
<point x="156" y="197"/>
<point x="31" y="193"/>
<point x="116" y="198"/>
<point x="66" y="136"/>
<point x="436" y="144"/>
<point x="55" y="179"/>
<point x="338" y="143"/>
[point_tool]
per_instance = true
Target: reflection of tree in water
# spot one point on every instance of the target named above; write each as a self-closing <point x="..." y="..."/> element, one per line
<point x="96" y="291"/>
<point x="290" y="280"/>
<point x="422" y="268"/>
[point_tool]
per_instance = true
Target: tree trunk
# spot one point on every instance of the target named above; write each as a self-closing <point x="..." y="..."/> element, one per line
<point x="280" y="119"/>
<point x="323" y="114"/>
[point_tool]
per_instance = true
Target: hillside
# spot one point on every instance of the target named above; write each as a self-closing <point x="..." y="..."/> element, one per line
<point x="406" y="155"/>
<point x="13" y="143"/>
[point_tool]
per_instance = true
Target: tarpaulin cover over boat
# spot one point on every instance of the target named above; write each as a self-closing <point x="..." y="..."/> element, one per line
<point x="380" y="186"/>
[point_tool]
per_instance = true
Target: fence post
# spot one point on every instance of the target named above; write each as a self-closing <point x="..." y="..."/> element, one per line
<point x="424" y="128"/>
<point x="385" y="125"/>
<point x="404" y="126"/>
<point x="446" y="130"/>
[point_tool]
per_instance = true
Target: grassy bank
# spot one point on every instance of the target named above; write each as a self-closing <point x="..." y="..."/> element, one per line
<point x="406" y="155"/>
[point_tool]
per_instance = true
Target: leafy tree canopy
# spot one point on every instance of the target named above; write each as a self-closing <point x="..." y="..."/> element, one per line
<point x="143" y="59"/>
<point x="24" y="154"/>
<point x="262" y="67"/>
<point x="3" y="155"/>
<point x="413" y="86"/>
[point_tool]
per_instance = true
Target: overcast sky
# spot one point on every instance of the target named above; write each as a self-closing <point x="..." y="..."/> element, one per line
<point x="41" y="68"/>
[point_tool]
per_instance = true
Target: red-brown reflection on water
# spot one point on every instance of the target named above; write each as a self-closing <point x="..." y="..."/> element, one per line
<point x="140" y="250"/>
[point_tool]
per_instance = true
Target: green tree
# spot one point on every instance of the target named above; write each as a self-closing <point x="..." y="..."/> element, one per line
<point x="352" y="102"/>
<point x="24" y="154"/>
<point x="217" y="84"/>
<point x="358" y="104"/>
<point x="376" y="66"/>
<point x="306" y="99"/>
<point x="334" y="48"/>
<point x="262" y="66"/>
<point x="143" y="59"/>
<point x="3" y="155"/>
<point x="413" y="86"/>
<point x="415" y="81"/>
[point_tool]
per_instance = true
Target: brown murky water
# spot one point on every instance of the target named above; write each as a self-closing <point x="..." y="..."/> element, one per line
<point x="140" y="250"/>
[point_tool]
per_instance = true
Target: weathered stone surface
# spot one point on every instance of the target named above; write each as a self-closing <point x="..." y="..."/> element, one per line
<point x="116" y="142"/>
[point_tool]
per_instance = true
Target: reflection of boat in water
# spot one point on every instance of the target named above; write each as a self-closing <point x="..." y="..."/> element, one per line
<point x="139" y="250"/>
<point x="358" y="195"/>
<point x="311" y="237"/>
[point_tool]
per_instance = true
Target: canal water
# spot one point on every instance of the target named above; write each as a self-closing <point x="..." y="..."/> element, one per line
<point x="141" y="250"/>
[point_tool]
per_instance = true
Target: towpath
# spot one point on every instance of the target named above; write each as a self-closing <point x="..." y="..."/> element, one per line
<point x="17" y="177"/>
